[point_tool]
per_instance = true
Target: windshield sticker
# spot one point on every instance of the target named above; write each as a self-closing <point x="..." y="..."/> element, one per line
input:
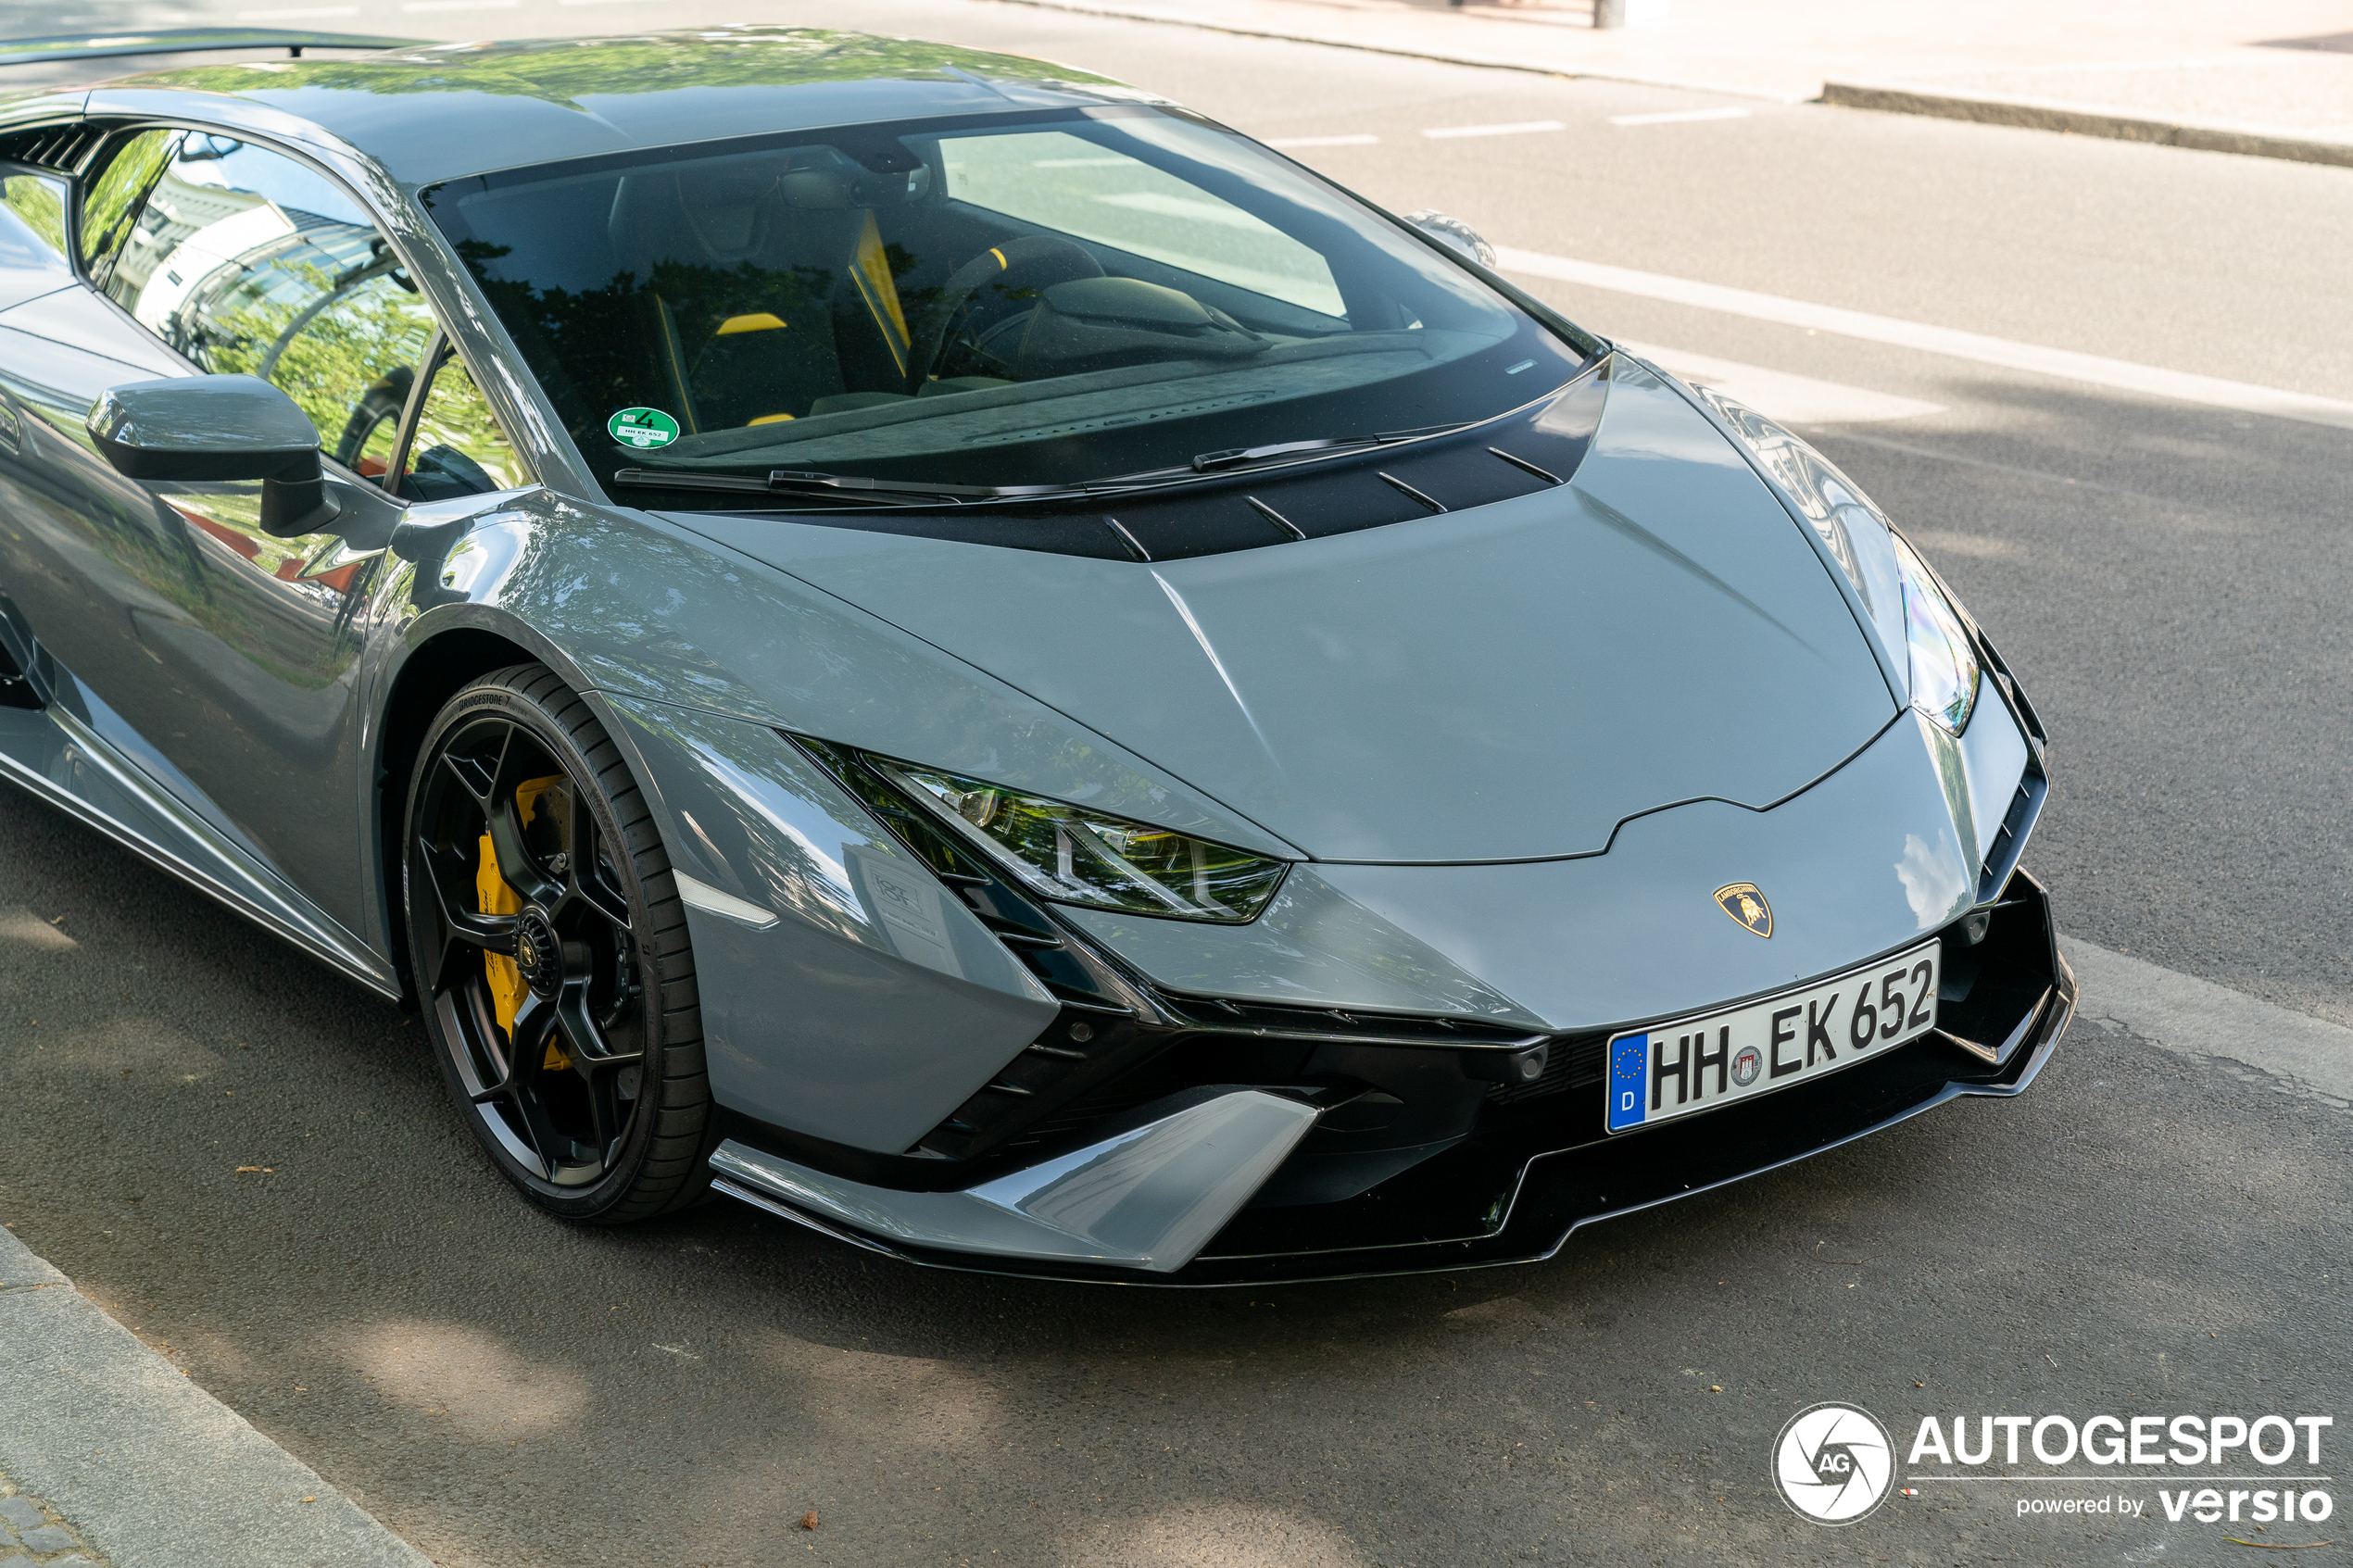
<point x="643" y="428"/>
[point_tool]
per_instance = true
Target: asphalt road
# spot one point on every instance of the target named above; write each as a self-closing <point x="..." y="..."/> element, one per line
<point x="2139" y="1233"/>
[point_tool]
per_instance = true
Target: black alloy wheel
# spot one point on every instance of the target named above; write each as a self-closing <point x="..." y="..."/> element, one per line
<point x="550" y="954"/>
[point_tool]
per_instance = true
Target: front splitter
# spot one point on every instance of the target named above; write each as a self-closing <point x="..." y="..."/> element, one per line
<point x="1516" y="1196"/>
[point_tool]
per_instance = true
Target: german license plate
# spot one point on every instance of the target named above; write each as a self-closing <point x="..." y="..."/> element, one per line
<point x="1698" y="1063"/>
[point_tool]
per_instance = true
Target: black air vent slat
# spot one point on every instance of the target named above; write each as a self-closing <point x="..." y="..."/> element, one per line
<point x="1411" y="494"/>
<point x="1543" y="474"/>
<point x="1126" y="540"/>
<point x="1290" y="529"/>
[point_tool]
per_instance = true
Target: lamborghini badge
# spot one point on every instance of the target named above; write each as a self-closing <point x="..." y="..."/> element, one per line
<point x="1746" y="904"/>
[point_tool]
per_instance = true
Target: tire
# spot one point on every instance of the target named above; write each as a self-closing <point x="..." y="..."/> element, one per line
<point x="550" y="954"/>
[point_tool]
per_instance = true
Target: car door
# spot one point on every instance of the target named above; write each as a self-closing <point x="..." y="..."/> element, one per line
<point x="234" y="653"/>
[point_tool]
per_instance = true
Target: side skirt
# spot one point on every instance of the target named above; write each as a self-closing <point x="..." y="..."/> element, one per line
<point x="63" y="761"/>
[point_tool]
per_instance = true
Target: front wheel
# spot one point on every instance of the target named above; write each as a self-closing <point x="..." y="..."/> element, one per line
<point x="550" y="954"/>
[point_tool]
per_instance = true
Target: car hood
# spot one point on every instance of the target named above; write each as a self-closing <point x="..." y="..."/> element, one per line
<point x="1506" y="682"/>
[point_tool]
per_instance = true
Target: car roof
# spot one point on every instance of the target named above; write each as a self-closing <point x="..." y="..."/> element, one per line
<point x="439" y="111"/>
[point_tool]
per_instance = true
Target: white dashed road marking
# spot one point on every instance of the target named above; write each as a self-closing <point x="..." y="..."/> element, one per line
<point x="1441" y="133"/>
<point x="1678" y="117"/>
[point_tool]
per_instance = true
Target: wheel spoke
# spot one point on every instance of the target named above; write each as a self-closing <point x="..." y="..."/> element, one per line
<point x="541" y="1134"/>
<point x="471" y="776"/>
<point x="516" y="867"/>
<point x="495" y="933"/>
<point x="452" y="958"/>
<point x="583" y="883"/>
<point x="601" y="1117"/>
<point x="526" y="1054"/>
<point x="584" y="1041"/>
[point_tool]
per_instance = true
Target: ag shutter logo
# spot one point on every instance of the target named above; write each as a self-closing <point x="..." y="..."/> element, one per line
<point x="1833" y="1464"/>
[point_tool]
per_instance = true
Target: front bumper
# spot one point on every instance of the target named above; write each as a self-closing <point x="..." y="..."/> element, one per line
<point x="1532" y="1166"/>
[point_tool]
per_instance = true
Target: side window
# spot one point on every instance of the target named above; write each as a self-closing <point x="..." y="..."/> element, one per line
<point x="249" y="262"/>
<point x="111" y="201"/>
<point x="458" y="448"/>
<point x="32" y="221"/>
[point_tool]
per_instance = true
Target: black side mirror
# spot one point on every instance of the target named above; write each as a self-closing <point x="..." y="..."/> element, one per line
<point x="194" y="428"/>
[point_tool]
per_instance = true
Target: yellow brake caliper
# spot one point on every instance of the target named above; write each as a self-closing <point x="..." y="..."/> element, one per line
<point x="507" y="988"/>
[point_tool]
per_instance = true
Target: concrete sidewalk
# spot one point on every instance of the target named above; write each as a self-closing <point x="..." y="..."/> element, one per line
<point x="2268" y="77"/>
<point x="109" y="1455"/>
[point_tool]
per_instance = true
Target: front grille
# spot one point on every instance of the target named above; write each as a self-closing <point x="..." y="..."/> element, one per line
<point x="1572" y="1063"/>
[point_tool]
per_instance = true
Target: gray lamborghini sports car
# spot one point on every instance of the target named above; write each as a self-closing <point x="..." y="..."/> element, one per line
<point x="959" y="653"/>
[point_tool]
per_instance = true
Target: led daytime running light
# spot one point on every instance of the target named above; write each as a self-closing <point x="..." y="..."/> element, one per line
<point x="1944" y="670"/>
<point x="1072" y="856"/>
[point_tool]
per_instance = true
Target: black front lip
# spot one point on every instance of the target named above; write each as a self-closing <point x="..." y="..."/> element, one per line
<point x="1542" y="1193"/>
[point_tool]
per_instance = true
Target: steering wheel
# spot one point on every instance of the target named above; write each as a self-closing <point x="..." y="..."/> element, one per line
<point x="1002" y="274"/>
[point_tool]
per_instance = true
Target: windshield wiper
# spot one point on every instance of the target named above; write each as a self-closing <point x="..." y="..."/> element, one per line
<point x="1235" y="457"/>
<point x="853" y="487"/>
<point x="889" y="492"/>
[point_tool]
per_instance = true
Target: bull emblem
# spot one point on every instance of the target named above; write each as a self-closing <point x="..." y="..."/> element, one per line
<point x="1745" y="904"/>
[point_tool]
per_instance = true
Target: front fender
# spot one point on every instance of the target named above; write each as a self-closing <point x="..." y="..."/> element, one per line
<point x="845" y="992"/>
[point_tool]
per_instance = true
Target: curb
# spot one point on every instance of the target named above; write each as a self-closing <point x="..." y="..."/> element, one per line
<point x="2083" y="119"/>
<point x="152" y="1471"/>
<point x="1484" y="62"/>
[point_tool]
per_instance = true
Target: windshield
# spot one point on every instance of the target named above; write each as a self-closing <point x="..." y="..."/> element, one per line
<point x="1041" y="299"/>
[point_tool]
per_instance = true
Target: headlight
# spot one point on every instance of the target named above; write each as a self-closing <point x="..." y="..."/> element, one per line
<point x="1917" y="626"/>
<point x="1074" y="856"/>
<point x="1944" y="663"/>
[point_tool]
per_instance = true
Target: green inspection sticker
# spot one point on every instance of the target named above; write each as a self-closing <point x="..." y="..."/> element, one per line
<point x="643" y="428"/>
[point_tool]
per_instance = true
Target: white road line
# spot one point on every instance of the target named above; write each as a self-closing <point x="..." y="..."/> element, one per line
<point x="298" y="13"/>
<point x="1793" y="400"/>
<point x="1678" y="117"/>
<point x="2064" y="363"/>
<point x="2198" y="1018"/>
<point x="1361" y="140"/>
<point x="1441" y="133"/>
